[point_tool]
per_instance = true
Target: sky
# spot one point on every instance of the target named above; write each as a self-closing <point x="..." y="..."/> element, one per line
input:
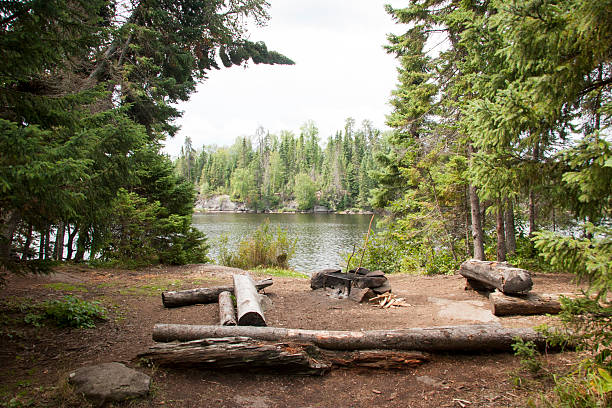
<point x="341" y="70"/>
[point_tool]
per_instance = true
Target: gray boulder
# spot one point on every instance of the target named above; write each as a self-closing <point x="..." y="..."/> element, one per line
<point x="109" y="382"/>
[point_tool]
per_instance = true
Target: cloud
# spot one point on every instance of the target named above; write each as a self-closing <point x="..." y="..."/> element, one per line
<point x="341" y="70"/>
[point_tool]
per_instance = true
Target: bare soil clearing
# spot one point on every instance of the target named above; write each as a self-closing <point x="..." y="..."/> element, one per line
<point x="34" y="362"/>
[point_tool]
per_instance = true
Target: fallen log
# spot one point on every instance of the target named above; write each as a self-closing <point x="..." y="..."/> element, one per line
<point x="227" y="314"/>
<point x="529" y="304"/>
<point x="202" y="295"/>
<point x="497" y="275"/>
<point x="468" y="338"/>
<point x="253" y="355"/>
<point x="231" y="352"/>
<point x="247" y="302"/>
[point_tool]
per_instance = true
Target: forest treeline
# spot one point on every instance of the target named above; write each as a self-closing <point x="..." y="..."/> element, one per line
<point x="267" y="171"/>
<point x="86" y="91"/>
<point x="501" y="138"/>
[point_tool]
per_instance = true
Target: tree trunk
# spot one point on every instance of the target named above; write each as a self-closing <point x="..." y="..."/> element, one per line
<point x="202" y="295"/>
<point x="82" y="243"/>
<point x="47" y="248"/>
<point x="58" y="249"/>
<point x="501" y="276"/>
<point x="501" y="236"/>
<point x="71" y="235"/>
<point x="477" y="233"/>
<point x="247" y="302"/>
<point x="468" y="338"/>
<point x="227" y="314"/>
<point x="8" y="231"/>
<point x="532" y="197"/>
<point x="509" y="227"/>
<point x="26" y="246"/>
<point x="253" y="355"/>
<point x="41" y="246"/>
<point x="529" y="304"/>
<point x="532" y="211"/>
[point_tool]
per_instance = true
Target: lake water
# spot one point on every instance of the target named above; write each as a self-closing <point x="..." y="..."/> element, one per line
<point x="322" y="239"/>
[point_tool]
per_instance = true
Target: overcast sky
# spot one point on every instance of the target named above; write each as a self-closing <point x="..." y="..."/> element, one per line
<point x="341" y="71"/>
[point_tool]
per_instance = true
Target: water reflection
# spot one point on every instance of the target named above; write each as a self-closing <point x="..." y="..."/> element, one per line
<point x="322" y="238"/>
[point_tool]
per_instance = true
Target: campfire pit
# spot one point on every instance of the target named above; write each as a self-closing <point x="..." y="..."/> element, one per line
<point x="358" y="285"/>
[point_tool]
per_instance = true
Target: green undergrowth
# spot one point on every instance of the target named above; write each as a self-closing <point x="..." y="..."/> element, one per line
<point x="65" y="287"/>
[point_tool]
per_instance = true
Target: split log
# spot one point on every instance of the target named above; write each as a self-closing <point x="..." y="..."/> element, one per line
<point x="232" y="352"/>
<point x="247" y="302"/>
<point x="227" y="314"/>
<point x="468" y="338"/>
<point x="202" y="295"/>
<point x="383" y="359"/>
<point x="499" y="275"/>
<point x="529" y="304"/>
<point x="253" y="355"/>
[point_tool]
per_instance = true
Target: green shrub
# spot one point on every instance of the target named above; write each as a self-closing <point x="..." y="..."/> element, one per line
<point x="264" y="248"/>
<point x="389" y="253"/>
<point x="68" y="312"/>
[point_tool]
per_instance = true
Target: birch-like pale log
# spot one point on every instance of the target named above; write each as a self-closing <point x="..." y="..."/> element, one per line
<point x="227" y="314"/>
<point x="250" y="312"/>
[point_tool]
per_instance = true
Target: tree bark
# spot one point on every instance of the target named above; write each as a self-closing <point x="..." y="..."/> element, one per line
<point x="496" y="275"/>
<point x="509" y="227"/>
<point x="250" y="312"/>
<point x="26" y="246"/>
<point x="468" y="338"/>
<point x="501" y="236"/>
<point x="71" y="235"/>
<point x="477" y="233"/>
<point x="532" y="197"/>
<point x="8" y="231"/>
<point x="202" y="295"/>
<point x="41" y="246"/>
<point x="58" y="248"/>
<point x="529" y="304"/>
<point x="227" y="314"/>
<point x="250" y="354"/>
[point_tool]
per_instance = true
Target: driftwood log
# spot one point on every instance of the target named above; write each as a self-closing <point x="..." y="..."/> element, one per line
<point x="497" y="275"/>
<point x="468" y="338"/>
<point x="250" y="312"/>
<point x="529" y="304"/>
<point x="227" y="314"/>
<point x="202" y="295"/>
<point x="253" y="355"/>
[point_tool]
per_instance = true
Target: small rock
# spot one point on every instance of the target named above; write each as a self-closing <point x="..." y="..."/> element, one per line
<point x="430" y="381"/>
<point x="109" y="382"/>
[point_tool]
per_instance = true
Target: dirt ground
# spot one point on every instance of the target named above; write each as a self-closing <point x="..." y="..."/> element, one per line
<point x="35" y="362"/>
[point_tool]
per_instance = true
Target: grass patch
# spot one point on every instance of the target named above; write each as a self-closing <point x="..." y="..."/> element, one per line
<point x="152" y="289"/>
<point x="65" y="287"/>
<point x="280" y="272"/>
